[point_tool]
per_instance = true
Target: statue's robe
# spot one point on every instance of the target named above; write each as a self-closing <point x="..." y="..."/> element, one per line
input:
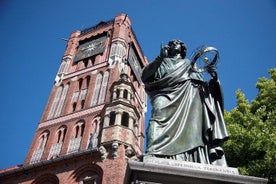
<point x="187" y="113"/>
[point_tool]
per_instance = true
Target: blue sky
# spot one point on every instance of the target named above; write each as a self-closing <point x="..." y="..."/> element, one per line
<point x="31" y="48"/>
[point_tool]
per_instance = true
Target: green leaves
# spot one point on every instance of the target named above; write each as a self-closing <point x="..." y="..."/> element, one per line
<point x="252" y="129"/>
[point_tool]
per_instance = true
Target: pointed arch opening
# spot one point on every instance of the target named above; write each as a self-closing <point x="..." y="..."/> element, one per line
<point x="60" y="137"/>
<point x="42" y="141"/>
<point x="75" y="142"/>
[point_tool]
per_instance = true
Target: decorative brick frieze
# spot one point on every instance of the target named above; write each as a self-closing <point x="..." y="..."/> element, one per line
<point x="80" y="72"/>
<point x="71" y="116"/>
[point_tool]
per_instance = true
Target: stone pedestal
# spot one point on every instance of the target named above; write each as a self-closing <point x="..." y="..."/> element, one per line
<point x="164" y="171"/>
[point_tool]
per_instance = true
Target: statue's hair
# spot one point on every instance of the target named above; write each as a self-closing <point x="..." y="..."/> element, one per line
<point x="183" y="47"/>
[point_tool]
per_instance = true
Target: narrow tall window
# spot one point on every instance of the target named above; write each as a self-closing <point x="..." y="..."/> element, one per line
<point x="85" y="61"/>
<point x="112" y="118"/>
<point x="40" y="147"/>
<point x="74" y="144"/>
<point x="43" y="140"/>
<point x="125" y="119"/>
<point x="80" y="84"/>
<point x="55" y="102"/>
<point x="62" y="99"/>
<point x="63" y="67"/>
<point x="125" y="94"/>
<point x="87" y="81"/>
<point x="56" y="148"/>
<point x="61" y="134"/>
<point x="104" y="87"/>
<point x="74" y="106"/>
<point x="97" y="89"/>
<point x="118" y="93"/>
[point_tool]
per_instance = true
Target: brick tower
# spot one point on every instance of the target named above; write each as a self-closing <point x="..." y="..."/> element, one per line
<point x="93" y="122"/>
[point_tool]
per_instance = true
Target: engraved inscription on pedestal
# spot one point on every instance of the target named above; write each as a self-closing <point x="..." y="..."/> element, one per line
<point x="190" y="165"/>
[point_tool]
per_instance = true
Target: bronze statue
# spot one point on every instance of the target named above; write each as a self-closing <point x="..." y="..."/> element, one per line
<point x="187" y="113"/>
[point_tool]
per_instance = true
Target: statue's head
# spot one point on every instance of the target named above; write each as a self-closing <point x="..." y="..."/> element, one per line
<point x="182" y="49"/>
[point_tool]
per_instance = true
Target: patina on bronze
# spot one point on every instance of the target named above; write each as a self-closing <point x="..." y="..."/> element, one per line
<point x="187" y="112"/>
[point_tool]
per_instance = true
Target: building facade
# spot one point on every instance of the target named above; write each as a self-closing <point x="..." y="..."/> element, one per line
<point x="93" y="122"/>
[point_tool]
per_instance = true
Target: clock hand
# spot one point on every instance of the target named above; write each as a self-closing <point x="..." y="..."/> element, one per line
<point x="91" y="46"/>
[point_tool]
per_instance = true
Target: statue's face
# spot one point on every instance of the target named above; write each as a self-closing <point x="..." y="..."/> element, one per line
<point x="174" y="48"/>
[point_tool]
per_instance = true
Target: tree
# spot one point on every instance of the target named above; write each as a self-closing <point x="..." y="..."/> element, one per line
<point x="252" y="128"/>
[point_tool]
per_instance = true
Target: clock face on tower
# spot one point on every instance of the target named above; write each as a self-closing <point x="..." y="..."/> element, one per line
<point x="90" y="48"/>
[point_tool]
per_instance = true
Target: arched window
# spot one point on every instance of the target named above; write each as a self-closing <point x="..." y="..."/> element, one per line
<point x="125" y="119"/>
<point x="37" y="154"/>
<point x="43" y="139"/>
<point x="74" y="144"/>
<point x="56" y="148"/>
<point x="55" y="102"/>
<point x="62" y="99"/>
<point x="104" y="87"/>
<point x="63" y="67"/>
<point x="112" y="118"/>
<point x="88" y="174"/>
<point x="97" y="89"/>
<point x="61" y="134"/>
